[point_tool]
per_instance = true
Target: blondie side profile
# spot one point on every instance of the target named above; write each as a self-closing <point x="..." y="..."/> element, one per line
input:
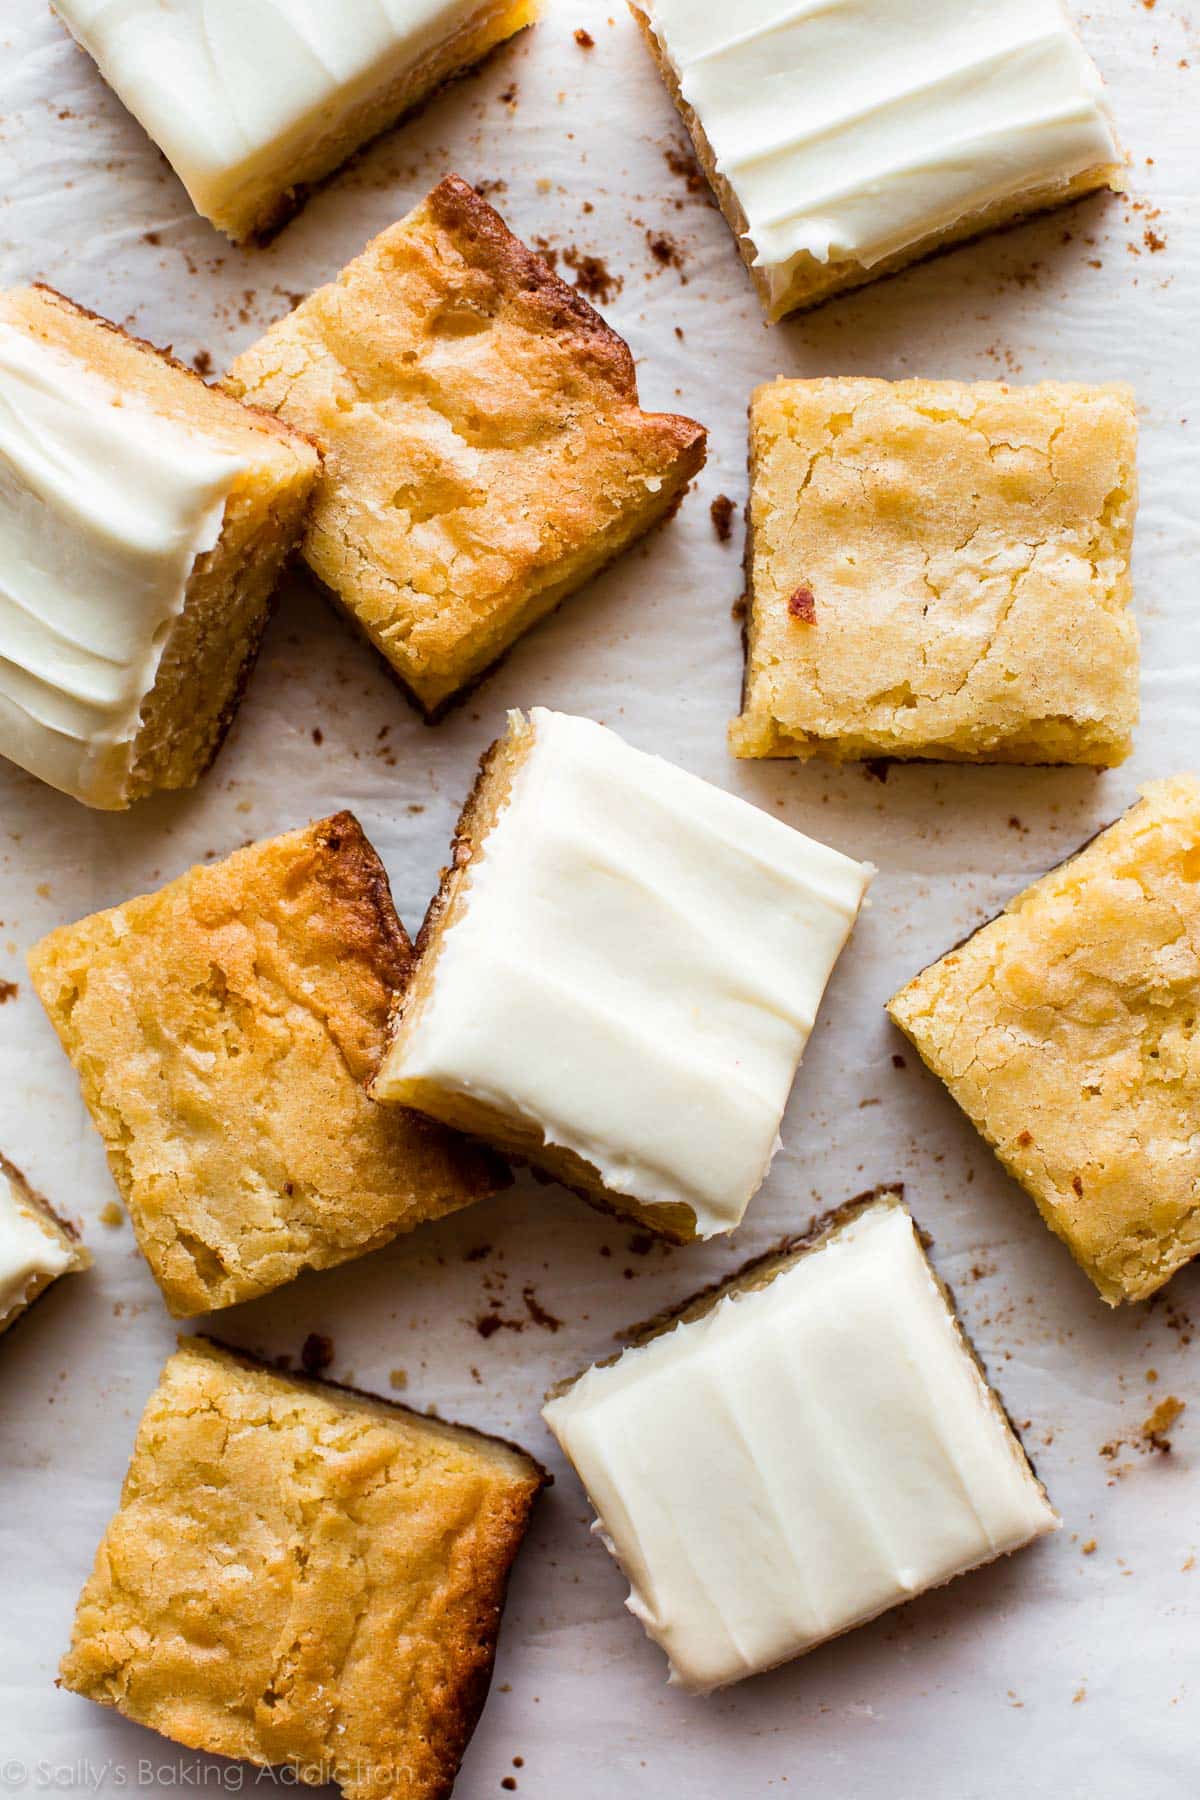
<point x="941" y="569"/>
<point x="252" y="101"/>
<point x="797" y="1451"/>
<point x="222" y="1030"/>
<point x="657" y="948"/>
<point x="144" y="521"/>
<point x="845" y="140"/>
<point x="303" y="1576"/>
<point x="36" y="1246"/>
<point x="485" y="453"/>
<point x="1066" y="1029"/>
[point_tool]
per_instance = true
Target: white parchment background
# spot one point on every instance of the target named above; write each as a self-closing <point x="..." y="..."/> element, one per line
<point x="1058" y="1674"/>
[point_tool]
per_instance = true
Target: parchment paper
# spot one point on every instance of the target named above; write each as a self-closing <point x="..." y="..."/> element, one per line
<point x="1065" y="1672"/>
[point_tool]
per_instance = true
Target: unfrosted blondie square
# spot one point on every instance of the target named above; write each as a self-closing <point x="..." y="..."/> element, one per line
<point x="843" y="141"/>
<point x="797" y="1450"/>
<point x="485" y="452"/>
<point x="619" y="975"/>
<point x="303" y="1576"/>
<point x="251" y="101"/>
<point x="222" y="1030"/>
<point x="940" y="569"/>
<point x="1068" y="1030"/>
<point x="36" y="1246"/>
<point x="144" y="520"/>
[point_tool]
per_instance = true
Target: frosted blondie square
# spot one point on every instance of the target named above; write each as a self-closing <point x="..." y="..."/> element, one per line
<point x="844" y="141"/>
<point x="251" y="101"/>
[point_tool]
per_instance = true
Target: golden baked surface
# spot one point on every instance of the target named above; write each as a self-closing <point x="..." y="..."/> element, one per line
<point x="1068" y="1030"/>
<point x="222" y="1030"/>
<point x="941" y="569"/>
<point x="484" y="449"/>
<point x="301" y="1575"/>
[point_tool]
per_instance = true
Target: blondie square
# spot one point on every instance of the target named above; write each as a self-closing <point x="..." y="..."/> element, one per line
<point x="1068" y="1030"/>
<point x="303" y="1576"/>
<point x="222" y="1030"/>
<point x="845" y="141"/>
<point x="619" y="975"/>
<point x="251" y="101"/>
<point x="940" y="569"/>
<point x="144" y="520"/>
<point x="484" y="448"/>
<point x="36" y="1246"/>
<point x="798" y="1450"/>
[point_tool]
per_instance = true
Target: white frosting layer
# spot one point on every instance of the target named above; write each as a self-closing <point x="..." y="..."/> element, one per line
<point x="234" y="91"/>
<point x="800" y="1459"/>
<point x="28" y="1253"/>
<point x="853" y="129"/>
<point x="104" y="508"/>
<point x="637" y="971"/>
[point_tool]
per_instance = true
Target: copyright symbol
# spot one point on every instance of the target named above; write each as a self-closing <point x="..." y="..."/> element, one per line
<point x="12" y="1773"/>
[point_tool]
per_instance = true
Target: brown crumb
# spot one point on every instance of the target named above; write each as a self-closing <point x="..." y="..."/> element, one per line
<point x="509" y="1784"/>
<point x="1079" y="1696"/>
<point x="664" y="249"/>
<point x="1152" y="240"/>
<point x="1186" y="1567"/>
<point x="398" y="1378"/>
<point x="111" y="1215"/>
<point x="641" y="1243"/>
<point x="584" y="39"/>
<point x="721" y="513"/>
<point x="8" y="991"/>
<point x="1154" y="1428"/>
<point x="537" y="1312"/>
<point x="802" y="605"/>
<point x="876" y="768"/>
<point x="318" y="736"/>
<point x="681" y="162"/>
<point x="593" y="277"/>
<point x="739" y="608"/>
<point x="316" y="1353"/>
<point x="898" y="1061"/>
<point x="202" y="362"/>
<point x="1088" y="1549"/>
<point x="477" y="1253"/>
<point x="509" y="96"/>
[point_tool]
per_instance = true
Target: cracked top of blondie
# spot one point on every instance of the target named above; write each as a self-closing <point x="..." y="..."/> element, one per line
<point x="222" y="1030"/>
<point x="302" y="1575"/>
<point x="1068" y="1030"/>
<point x="941" y="569"/>
<point x="485" y="450"/>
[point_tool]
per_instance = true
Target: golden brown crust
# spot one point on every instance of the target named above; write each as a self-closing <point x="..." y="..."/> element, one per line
<point x="252" y="995"/>
<point x="1065" y="1028"/>
<point x="896" y="611"/>
<point x="485" y="450"/>
<point x="304" y="1576"/>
